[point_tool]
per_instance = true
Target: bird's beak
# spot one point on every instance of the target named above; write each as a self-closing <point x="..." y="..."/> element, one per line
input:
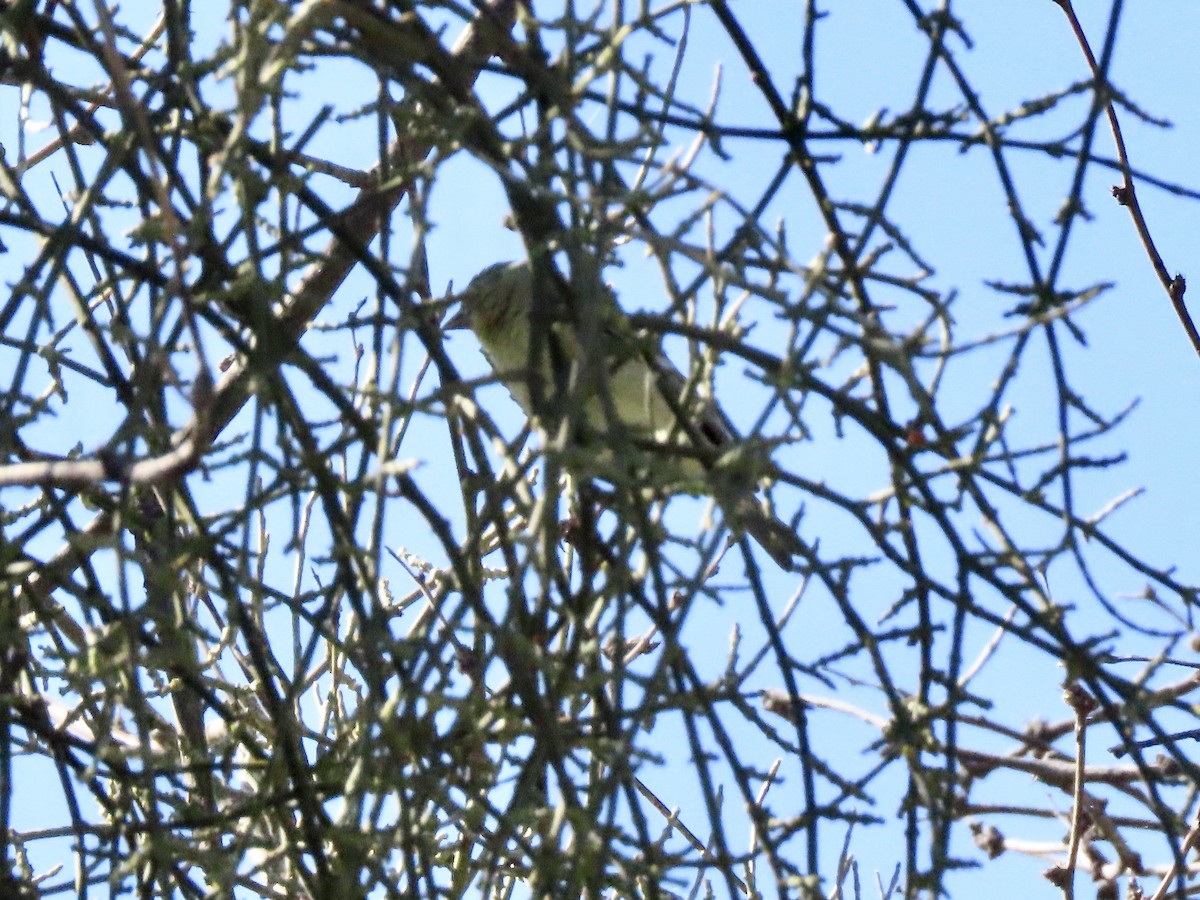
<point x="457" y="322"/>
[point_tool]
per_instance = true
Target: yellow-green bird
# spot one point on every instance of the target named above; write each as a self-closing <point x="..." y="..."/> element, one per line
<point x="628" y="406"/>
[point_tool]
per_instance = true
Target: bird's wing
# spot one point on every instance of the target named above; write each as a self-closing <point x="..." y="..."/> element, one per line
<point x="653" y="401"/>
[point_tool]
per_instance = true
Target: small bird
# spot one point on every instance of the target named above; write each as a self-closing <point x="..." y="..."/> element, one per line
<point x="627" y="405"/>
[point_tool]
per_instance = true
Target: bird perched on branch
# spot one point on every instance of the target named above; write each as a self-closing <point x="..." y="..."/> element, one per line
<point x="628" y="409"/>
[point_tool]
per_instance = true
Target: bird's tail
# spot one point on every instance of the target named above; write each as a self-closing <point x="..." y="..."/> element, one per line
<point x="780" y="541"/>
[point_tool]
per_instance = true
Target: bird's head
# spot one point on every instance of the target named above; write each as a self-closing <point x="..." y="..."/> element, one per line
<point x="494" y="301"/>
